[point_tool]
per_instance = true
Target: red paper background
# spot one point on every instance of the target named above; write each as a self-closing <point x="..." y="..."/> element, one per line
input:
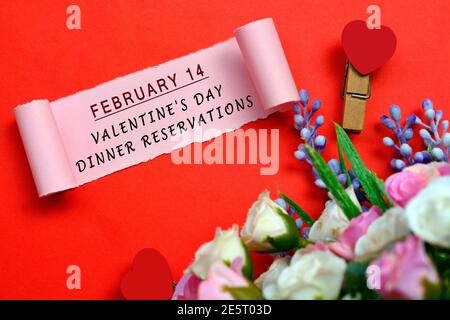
<point x="174" y="209"/>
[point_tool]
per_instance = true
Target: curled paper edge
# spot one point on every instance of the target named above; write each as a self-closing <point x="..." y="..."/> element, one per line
<point x="44" y="148"/>
<point x="266" y="62"/>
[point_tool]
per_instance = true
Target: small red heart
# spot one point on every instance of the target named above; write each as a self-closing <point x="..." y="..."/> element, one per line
<point x="367" y="49"/>
<point x="149" y="278"/>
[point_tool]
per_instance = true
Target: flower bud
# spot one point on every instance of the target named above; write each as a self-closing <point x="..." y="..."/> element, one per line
<point x="399" y="165"/>
<point x="316" y="105"/>
<point x="304" y="97"/>
<point x="342" y="178"/>
<point x="430" y="113"/>
<point x="427" y="104"/>
<point x="426" y="157"/>
<point x="356" y="184"/>
<point x="320" y="120"/>
<point x="446" y="140"/>
<point x="393" y="165"/>
<point x="320" y="183"/>
<point x="408" y="134"/>
<point x="425" y="134"/>
<point x="320" y="142"/>
<point x="418" y="157"/>
<point x="296" y="108"/>
<point x="439" y="114"/>
<point x="412" y="119"/>
<point x="298" y="119"/>
<point x="444" y="125"/>
<point x="268" y="227"/>
<point x="305" y="133"/>
<point x="395" y="112"/>
<point x="300" y="155"/>
<point x="437" y="154"/>
<point x="388" y="142"/>
<point x="335" y="166"/>
<point x="388" y="123"/>
<point x="405" y="150"/>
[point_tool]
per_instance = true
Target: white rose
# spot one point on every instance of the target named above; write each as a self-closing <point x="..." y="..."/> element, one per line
<point x="226" y="247"/>
<point x="428" y="213"/>
<point x="314" y="275"/>
<point x="268" y="227"/>
<point x="267" y="281"/>
<point x="383" y="232"/>
<point x="332" y="221"/>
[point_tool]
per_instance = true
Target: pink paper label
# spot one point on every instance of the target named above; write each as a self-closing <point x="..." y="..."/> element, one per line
<point x="135" y="118"/>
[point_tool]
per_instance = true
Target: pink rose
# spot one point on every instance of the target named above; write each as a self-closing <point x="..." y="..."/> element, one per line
<point x="429" y="171"/>
<point x="404" y="269"/>
<point x="219" y="277"/>
<point x="187" y="287"/>
<point x="444" y="170"/>
<point x="403" y="186"/>
<point x="357" y="227"/>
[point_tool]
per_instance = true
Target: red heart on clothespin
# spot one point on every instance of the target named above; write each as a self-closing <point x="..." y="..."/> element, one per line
<point x="149" y="278"/>
<point x="367" y="49"/>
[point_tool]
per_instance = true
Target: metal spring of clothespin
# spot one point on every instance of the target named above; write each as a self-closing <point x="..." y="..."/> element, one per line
<point x="355" y="91"/>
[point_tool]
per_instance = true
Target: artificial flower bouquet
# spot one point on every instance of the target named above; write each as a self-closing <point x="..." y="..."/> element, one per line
<point x="373" y="240"/>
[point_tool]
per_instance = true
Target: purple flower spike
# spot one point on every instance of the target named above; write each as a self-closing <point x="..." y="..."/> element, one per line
<point x="308" y="125"/>
<point x="433" y="130"/>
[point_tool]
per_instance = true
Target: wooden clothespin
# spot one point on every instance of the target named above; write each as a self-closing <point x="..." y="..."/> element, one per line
<point x="355" y="92"/>
<point x="367" y="50"/>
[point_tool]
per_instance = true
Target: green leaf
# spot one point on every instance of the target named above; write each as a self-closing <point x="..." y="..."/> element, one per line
<point x="251" y="292"/>
<point x="247" y="268"/>
<point x="337" y="190"/>
<point x="365" y="177"/>
<point x="305" y="217"/>
<point x="381" y="189"/>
